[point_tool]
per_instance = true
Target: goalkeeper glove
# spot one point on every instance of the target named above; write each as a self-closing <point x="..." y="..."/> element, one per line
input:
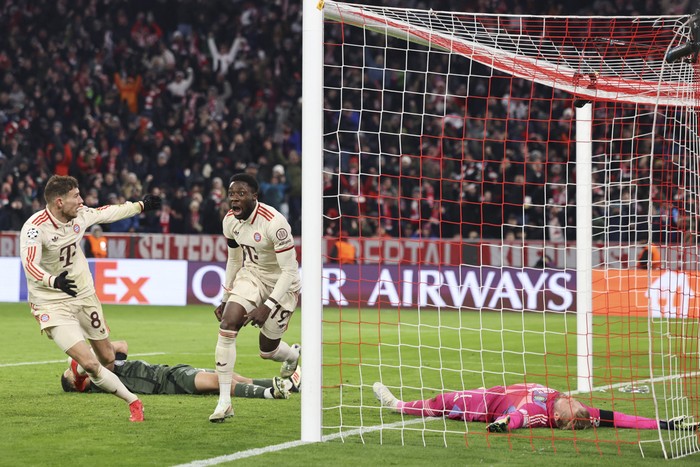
<point x="151" y="203"/>
<point x="499" y="426"/>
<point x="63" y="283"/>
<point x="681" y="423"/>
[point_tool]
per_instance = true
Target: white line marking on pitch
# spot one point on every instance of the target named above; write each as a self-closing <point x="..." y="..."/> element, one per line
<point x="293" y="444"/>
<point x="3" y="365"/>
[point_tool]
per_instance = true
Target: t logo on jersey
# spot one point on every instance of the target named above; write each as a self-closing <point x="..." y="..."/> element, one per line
<point x="66" y="254"/>
<point x="249" y="254"/>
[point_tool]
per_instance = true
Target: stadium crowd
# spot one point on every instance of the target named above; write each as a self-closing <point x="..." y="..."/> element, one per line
<point x="173" y="98"/>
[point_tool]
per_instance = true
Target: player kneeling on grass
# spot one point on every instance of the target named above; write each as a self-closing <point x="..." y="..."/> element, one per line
<point x="507" y="408"/>
<point x="144" y="378"/>
<point x="261" y="285"/>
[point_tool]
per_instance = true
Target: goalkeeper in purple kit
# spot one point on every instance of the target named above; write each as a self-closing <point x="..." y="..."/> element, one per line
<point x="507" y="408"/>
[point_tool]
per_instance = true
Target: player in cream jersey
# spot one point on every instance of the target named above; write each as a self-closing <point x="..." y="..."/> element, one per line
<point x="62" y="295"/>
<point x="267" y="246"/>
<point x="48" y="247"/>
<point x="261" y="285"/>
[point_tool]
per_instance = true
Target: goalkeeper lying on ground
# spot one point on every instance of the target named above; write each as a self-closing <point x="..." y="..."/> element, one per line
<point x="507" y="408"/>
<point x="144" y="378"/>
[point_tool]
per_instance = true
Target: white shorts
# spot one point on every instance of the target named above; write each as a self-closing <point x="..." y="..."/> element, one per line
<point x="85" y="314"/>
<point x="250" y="293"/>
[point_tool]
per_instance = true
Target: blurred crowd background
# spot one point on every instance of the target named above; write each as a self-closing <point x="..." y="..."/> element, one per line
<point x="174" y="97"/>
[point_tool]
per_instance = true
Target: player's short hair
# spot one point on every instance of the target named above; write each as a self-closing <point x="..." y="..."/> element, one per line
<point x="245" y="178"/>
<point x="59" y="185"/>
<point x="67" y="385"/>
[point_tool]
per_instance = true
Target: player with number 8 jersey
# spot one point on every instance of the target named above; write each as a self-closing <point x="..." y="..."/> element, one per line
<point x="61" y="292"/>
<point x="261" y="285"/>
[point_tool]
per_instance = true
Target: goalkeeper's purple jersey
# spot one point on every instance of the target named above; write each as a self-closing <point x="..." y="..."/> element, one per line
<point x="529" y="405"/>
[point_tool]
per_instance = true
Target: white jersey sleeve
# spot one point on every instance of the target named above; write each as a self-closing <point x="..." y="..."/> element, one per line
<point x="280" y="233"/>
<point x="109" y="213"/>
<point x="31" y="240"/>
<point x="235" y="256"/>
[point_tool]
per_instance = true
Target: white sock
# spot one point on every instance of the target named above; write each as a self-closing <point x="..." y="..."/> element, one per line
<point x="110" y="383"/>
<point x="284" y="352"/>
<point x="268" y="393"/>
<point x="225" y="360"/>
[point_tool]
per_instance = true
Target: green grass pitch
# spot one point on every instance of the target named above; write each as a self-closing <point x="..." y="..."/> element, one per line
<point x="41" y="425"/>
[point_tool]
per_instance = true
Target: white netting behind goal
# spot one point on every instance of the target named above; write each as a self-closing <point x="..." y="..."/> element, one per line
<point x="450" y="218"/>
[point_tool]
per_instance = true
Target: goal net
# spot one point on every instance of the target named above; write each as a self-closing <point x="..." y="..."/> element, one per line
<point x="508" y="200"/>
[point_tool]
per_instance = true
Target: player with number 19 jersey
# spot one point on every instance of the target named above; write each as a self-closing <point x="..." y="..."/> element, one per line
<point x="49" y="246"/>
<point x="267" y="246"/>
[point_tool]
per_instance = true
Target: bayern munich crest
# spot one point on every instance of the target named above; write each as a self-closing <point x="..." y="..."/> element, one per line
<point x="257" y="237"/>
<point x="76" y="228"/>
<point x="44" y="318"/>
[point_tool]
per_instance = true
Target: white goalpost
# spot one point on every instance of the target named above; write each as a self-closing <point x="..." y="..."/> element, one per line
<point x="521" y="197"/>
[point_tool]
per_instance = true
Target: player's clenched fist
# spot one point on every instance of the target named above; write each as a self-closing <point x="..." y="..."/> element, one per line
<point x="151" y="203"/>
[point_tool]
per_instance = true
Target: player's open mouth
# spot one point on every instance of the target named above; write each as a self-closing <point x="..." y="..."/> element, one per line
<point x="236" y="209"/>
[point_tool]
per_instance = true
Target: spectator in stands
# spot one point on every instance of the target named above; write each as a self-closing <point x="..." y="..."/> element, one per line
<point x="209" y="212"/>
<point x="342" y="252"/>
<point x="274" y="192"/>
<point x="139" y="166"/>
<point x="293" y="180"/>
<point x="109" y="184"/>
<point x="162" y="173"/>
<point x="96" y="243"/>
<point x="129" y="90"/>
<point x="544" y="262"/>
<point x="178" y="88"/>
<point x="193" y="219"/>
<point x="649" y="257"/>
<point x="130" y="224"/>
<point x="58" y="91"/>
<point x="13" y="214"/>
<point x="131" y="187"/>
<point x="179" y="206"/>
<point x="223" y="57"/>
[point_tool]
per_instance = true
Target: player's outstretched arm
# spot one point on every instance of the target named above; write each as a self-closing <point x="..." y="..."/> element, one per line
<point x="114" y="212"/>
<point x="680" y="424"/>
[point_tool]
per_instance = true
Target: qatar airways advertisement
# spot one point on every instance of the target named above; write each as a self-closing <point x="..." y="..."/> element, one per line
<point x="412" y="286"/>
<point x="663" y="293"/>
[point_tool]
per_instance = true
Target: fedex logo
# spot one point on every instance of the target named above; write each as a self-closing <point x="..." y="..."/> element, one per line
<point x="138" y="282"/>
<point x="114" y="288"/>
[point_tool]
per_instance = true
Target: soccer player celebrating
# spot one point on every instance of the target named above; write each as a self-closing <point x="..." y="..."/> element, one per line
<point x="141" y="377"/>
<point x="261" y="285"/>
<point x="507" y="408"/>
<point x="61" y="291"/>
